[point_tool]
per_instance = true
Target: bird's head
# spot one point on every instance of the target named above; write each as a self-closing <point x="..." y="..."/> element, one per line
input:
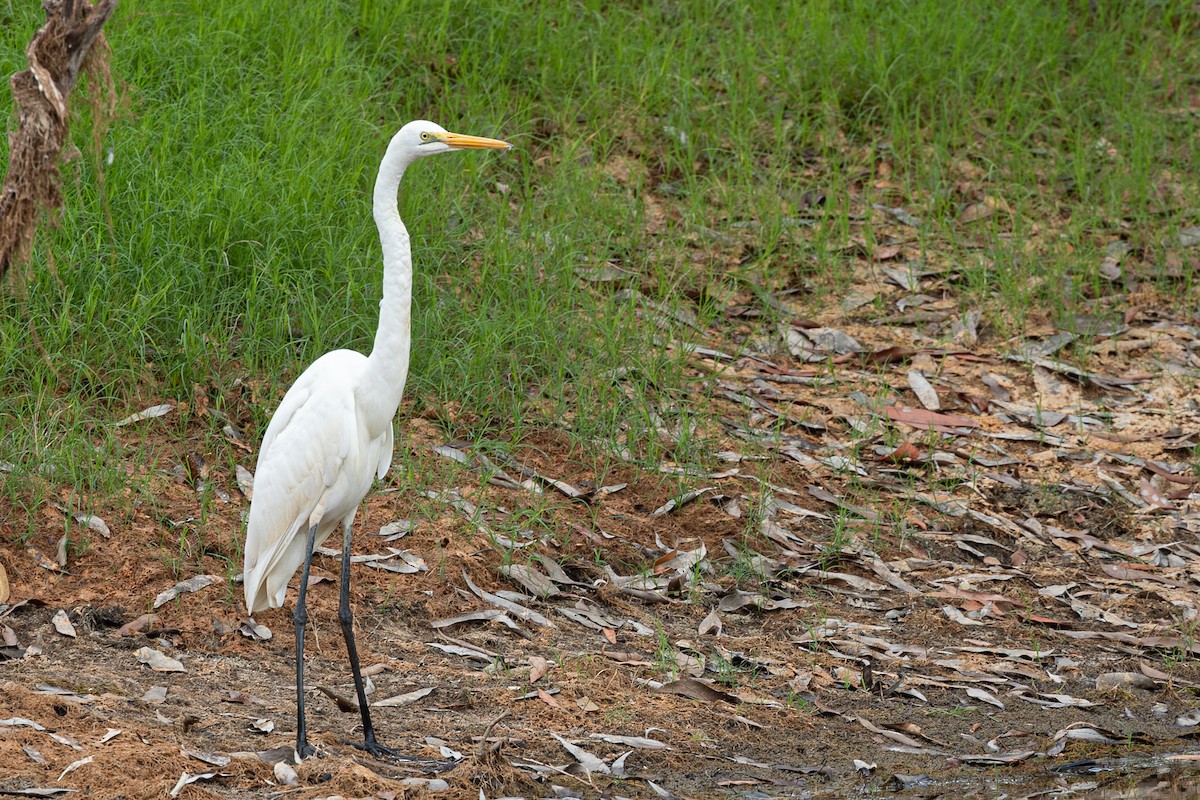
<point x="421" y="138"/>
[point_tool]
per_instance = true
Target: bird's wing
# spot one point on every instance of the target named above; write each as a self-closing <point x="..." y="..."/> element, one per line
<point x="292" y="402"/>
<point x="306" y="443"/>
<point x="385" y="452"/>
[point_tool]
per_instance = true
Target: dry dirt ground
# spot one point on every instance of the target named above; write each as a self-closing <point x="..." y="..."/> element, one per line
<point x="929" y="560"/>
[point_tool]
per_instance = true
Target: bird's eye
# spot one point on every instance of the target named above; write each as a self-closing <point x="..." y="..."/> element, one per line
<point x="425" y="136"/>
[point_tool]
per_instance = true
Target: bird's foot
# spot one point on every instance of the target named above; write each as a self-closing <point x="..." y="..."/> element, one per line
<point x="305" y="750"/>
<point x="377" y="750"/>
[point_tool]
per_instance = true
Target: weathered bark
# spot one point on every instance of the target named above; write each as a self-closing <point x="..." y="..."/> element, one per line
<point x="55" y="54"/>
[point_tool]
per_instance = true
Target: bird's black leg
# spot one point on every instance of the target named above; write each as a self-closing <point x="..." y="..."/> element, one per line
<point x="346" y="617"/>
<point x="300" y="618"/>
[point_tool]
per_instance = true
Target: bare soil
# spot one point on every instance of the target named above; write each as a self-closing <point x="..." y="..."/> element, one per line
<point x="1001" y="599"/>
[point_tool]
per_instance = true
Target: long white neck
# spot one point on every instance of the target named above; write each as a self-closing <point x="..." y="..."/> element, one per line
<point x="382" y="387"/>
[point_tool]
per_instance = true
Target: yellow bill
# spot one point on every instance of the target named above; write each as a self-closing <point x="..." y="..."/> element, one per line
<point x="462" y="140"/>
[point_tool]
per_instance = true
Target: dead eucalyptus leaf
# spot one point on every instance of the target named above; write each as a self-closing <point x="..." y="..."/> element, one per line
<point x="157" y="661"/>
<point x="588" y="761"/>
<point x="1125" y="680"/>
<point x="538" y="667"/>
<point x="188" y="778"/>
<point x="924" y="390"/>
<point x="74" y="765"/>
<point x="155" y="695"/>
<point x="711" y="624"/>
<point x="484" y="615"/>
<point x="285" y="774"/>
<point x="41" y="560"/>
<point x="193" y="584"/>
<point x="403" y="699"/>
<point x="94" y="523"/>
<point x="245" y="481"/>
<point x="639" y="742"/>
<point x="138" y="625"/>
<point x="262" y="725"/>
<point x="147" y="413"/>
<point x="517" y="610"/>
<point x="699" y="690"/>
<point x="535" y="581"/>
<point x="254" y="630"/>
<point x="62" y="623"/>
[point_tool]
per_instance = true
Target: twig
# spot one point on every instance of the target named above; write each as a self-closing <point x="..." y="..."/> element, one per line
<point x="479" y="751"/>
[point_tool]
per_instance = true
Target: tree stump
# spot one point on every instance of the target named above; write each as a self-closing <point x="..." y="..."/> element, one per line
<point x="55" y="54"/>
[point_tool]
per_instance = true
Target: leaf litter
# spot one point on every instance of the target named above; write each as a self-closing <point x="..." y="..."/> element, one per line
<point x="912" y="546"/>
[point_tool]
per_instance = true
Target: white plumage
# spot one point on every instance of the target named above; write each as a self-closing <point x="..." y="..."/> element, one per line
<point x="316" y="463"/>
<point x="332" y="434"/>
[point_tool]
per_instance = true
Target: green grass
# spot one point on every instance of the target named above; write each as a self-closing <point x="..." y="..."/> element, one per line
<point x="241" y="245"/>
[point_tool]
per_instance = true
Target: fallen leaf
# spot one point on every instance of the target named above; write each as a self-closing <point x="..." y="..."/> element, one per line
<point x="157" y="661"/>
<point x="193" y="584"/>
<point x="905" y="452"/>
<point x="1187" y="237"/>
<point x="74" y="765"/>
<point x="22" y="722"/>
<point x="997" y="758"/>
<point x="62" y="623"/>
<point x="155" y="695"/>
<point x="924" y="390"/>
<point x="1125" y="680"/>
<point x="213" y="759"/>
<point x="345" y="704"/>
<point x="466" y="652"/>
<point x="517" y="610"/>
<point x="536" y="582"/>
<point x="148" y="413"/>
<point x="1152" y="495"/>
<point x="674" y="504"/>
<point x="245" y="481"/>
<point x="985" y="696"/>
<point x="588" y="761"/>
<point x="538" y="667"/>
<point x="396" y="529"/>
<point x="474" y="616"/>
<point x="919" y="418"/>
<point x="285" y="774"/>
<point x="711" y="624"/>
<point x="137" y="625"/>
<point x="188" y="778"/>
<point x="403" y="699"/>
<point x="255" y="630"/>
<point x="639" y="742"/>
<point x="401" y="562"/>
<point x="699" y="690"/>
<point x="94" y="523"/>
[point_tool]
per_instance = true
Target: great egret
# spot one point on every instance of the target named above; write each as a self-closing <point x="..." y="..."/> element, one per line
<point x="332" y="434"/>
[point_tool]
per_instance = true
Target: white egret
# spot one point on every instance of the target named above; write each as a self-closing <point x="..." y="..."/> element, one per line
<point x="332" y="434"/>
